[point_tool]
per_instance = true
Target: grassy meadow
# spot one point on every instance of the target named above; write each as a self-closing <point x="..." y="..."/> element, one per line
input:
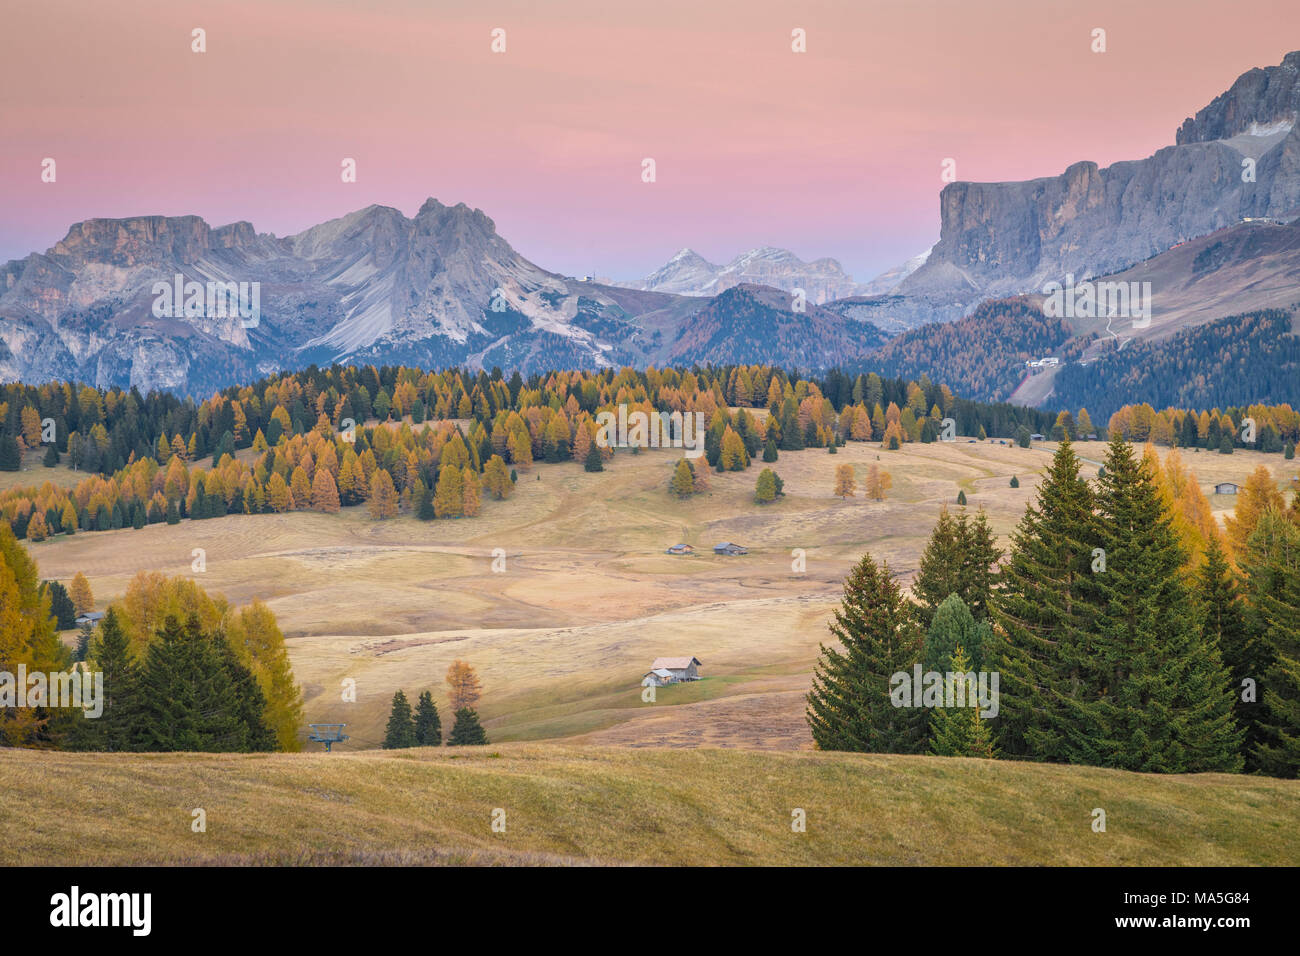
<point x="709" y="773"/>
<point x="588" y="599"/>
<point x="612" y="805"/>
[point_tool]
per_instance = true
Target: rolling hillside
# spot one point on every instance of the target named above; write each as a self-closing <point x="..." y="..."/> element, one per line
<point x="562" y="638"/>
<point x="1191" y="353"/>
<point x="983" y="354"/>
<point x="1228" y="362"/>
<point x="597" y="805"/>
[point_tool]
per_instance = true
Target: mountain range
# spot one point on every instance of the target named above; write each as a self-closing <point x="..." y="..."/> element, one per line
<point x="822" y="280"/>
<point x="689" y="273"/>
<point x="1236" y="159"/>
<point x="439" y="289"/>
<point x="1202" y="220"/>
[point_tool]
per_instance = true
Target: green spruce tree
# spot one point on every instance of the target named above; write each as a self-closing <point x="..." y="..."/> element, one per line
<point x="979" y="558"/>
<point x="61" y="606"/>
<point x="940" y="571"/>
<point x="428" y="725"/>
<point x="425" y="510"/>
<point x="115" y="729"/>
<point x="401" y="725"/>
<point x="1222" y="615"/>
<point x="960" y="731"/>
<point x="1273" y="569"/>
<point x="467" y="731"/>
<point x="849" y="706"/>
<point x="11" y="457"/>
<point x="1153" y="694"/>
<point x="248" y="702"/>
<point x="958" y="559"/>
<point x="190" y="699"/>
<point x="952" y="627"/>
<point x="1043" y="609"/>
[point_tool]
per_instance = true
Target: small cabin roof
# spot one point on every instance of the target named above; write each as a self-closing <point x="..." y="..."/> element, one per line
<point x="673" y="663"/>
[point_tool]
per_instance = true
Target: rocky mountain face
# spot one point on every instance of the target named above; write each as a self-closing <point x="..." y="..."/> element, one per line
<point x="1239" y="158"/>
<point x="689" y="273"/>
<point x="439" y="289"/>
<point x="1259" y="98"/>
<point x="895" y="313"/>
<point x="85" y="306"/>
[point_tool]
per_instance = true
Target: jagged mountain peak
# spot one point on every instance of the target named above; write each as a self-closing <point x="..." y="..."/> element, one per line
<point x="361" y="225"/>
<point x="688" y="273"/>
<point x="687" y="254"/>
<point x="372" y="222"/>
<point x="459" y="213"/>
<point x="1259" y="98"/>
<point x="890" y="278"/>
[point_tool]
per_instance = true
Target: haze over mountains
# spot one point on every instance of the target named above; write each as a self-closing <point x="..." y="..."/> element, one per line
<point x="689" y="273"/>
<point x="822" y="280"/>
<point x="1200" y="220"/>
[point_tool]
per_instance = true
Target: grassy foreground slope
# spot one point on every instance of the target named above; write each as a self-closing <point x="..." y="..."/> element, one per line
<point x="650" y="806"/>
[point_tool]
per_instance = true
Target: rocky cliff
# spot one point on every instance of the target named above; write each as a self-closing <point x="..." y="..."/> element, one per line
<point x="1238" y="158"/>
<point x="1258" y="99"/>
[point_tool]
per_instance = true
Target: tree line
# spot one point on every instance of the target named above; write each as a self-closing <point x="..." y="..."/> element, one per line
<point x="1267" y="428"/>
<point x="181" y="669"/>
<point x="440" y="443"/>
<point x="1127" y="630"/>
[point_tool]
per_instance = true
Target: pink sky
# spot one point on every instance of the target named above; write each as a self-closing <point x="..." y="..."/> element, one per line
<point x="835" y="152"/>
